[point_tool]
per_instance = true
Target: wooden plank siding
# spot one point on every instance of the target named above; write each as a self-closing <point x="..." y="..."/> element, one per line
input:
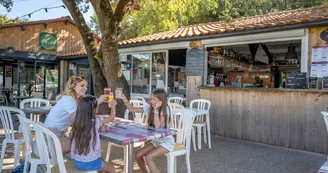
<point x="68" y="38"/>
<point x="283" y="118"/>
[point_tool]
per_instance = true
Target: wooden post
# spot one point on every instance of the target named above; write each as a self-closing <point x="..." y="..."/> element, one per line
<point x="194" y="82"/>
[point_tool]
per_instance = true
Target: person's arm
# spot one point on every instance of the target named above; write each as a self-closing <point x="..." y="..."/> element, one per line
<point x="159" y="119"/>
<point x="129" y="106"/>
<point x="112" y="113"/>
<point x="72" y="115"/>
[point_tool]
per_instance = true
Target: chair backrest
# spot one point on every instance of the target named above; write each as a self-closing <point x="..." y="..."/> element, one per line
<point x="27" y="134"/>
<point x="325" y="117"/>
<point x="34" y="102"/>
<point x="177" y="100"/>
<point x="7" y="121"/>
<point x="138" y="98"/>
<point x="49" y="145"/>
<point x="141" y="118"/>
<point x="174" y="106"/>
<point x="49" y="96"/>
<point x="137" y="103"/>
<point x="182" y="120"/>
<point x="200" y="104"/>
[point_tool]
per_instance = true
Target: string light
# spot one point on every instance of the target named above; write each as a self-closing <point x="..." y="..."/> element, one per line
<point x="45" y="9"/>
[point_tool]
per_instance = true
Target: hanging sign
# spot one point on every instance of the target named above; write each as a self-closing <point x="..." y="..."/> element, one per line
<point x="47" y="41"/>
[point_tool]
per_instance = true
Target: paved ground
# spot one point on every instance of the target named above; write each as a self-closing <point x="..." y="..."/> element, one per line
<point x="226" y="156"/>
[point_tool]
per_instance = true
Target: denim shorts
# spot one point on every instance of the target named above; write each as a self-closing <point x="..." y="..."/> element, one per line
<point x="89" y="166"/>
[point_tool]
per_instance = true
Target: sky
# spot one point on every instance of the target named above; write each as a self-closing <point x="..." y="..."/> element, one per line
<point x="23" y="7"/>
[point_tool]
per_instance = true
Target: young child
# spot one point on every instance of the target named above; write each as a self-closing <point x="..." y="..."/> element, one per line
<point x="157" y="115"/>
<point x="85" y="142"/>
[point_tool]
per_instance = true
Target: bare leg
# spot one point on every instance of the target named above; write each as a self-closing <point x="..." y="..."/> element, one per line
<point x="140" y="154"/>
<point x="66" y="147"/>
<point x="158" y="151"/>
<point x="107" y="167"/>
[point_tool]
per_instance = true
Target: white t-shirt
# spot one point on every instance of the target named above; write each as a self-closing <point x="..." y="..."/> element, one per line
<point x="59" y="115"/>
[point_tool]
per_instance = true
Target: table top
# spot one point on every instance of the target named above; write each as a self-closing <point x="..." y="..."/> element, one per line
<point x="21" y="97"/>
<point x="197" y="111"/>
<point x="37" y="110"/>
<point x="125" y="132"/>
<point x="324" y="168"/>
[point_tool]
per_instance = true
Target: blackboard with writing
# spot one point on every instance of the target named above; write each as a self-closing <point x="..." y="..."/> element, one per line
<point x="325" y="83"/>
<point x="195" y="62"/>
<point x="296" y="80"/>
<point x="300" y="81"/>
<point x="313" y="83"/>
<point x="290" y="80"/>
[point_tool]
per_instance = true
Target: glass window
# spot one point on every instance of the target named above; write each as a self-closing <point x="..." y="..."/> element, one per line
<point x="141" y="73"/>
<point x="51" y="83"/>
<point x="158" y="70"/>
<point x="1" y="76"/>
<point x="72" y="69"/>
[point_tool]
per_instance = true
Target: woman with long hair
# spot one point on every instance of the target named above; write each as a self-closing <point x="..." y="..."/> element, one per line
<point x="157" y="115"/>
<point x="62" y="115"/>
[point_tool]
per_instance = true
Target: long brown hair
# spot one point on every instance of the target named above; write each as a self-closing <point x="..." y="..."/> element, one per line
<point x="162" y="96"/>
<point x="71" y="83"/>
<point x="84" y="125"/>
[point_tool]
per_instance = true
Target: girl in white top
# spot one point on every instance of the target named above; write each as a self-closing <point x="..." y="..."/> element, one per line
<point x="157" y="115"/>
<point x="62" y="115"/>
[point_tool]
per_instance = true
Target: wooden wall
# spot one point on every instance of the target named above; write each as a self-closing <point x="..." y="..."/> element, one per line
<point x="315" y="40"/>
<point x="282" y="118"/>
<point x="69" y="39"/>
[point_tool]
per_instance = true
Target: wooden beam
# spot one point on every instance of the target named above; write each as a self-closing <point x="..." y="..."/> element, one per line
<point x="267" y="52"/>
<point x="253" y="49"/>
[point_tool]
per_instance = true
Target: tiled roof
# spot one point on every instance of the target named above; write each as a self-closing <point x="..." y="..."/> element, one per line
<point x="66" y="18"/>
<point x="245" y="23"/>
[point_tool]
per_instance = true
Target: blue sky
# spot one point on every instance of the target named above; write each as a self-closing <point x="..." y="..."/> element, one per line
<point x="22" y="7"/>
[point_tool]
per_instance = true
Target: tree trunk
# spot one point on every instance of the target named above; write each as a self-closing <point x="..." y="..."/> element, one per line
<point x="99" y="81"/>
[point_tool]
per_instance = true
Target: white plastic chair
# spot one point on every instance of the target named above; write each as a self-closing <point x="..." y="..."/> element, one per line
<point x="34" y="102"/>
<point x="49" y="144"/>
<point x="178" y="100"/>
<point x="26" y="130"/>
<point x="325" y="117"/>
<point x="181" y="121"/>
<point x="138" y="98"/>
<point x="174" y="106"/>
<point x="201" y="121"/>
<point x="8" y="126"/>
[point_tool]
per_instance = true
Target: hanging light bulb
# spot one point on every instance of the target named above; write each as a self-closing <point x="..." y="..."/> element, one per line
<point x="45" y="9"/>
<point x="64" y="6"/>
<point x="29" y="15"/>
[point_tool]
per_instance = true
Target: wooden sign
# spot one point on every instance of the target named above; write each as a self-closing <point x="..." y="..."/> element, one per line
<point x="313" y="83"/>
<point x="325" y="83"/>
<point x="324" y="35"/>
<point x="195" y="62"/>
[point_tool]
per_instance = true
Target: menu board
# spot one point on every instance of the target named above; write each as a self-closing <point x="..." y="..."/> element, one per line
<point x="195" y="62"/>
<point x="325" y="83"/>
<point x="290" y="80"/>
<point x="296" y="80"/>
<point x="313" y="83"/>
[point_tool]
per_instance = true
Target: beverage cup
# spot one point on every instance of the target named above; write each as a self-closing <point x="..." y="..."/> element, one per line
<point x="118" y="93"/>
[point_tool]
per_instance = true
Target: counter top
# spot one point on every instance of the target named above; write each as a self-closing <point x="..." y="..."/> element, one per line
<point x="266" y="89"/>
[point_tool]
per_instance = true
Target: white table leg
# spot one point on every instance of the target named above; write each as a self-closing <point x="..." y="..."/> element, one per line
<point x="208" y="130"/>
<point x="130" y="159"/>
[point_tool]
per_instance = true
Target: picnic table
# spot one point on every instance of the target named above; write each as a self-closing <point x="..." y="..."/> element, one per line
<point x="126" y="132"/>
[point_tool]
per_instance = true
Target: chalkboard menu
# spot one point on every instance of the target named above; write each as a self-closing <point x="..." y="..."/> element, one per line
<point x="313" y="83"/>
<point x="296" y="80"/>
<point x="290" y="80"/>
<point x="195" y="62"/>
<point x="325" y="83"/>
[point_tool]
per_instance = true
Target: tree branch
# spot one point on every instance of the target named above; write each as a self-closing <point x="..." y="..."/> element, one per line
<point x="120" y="10"/>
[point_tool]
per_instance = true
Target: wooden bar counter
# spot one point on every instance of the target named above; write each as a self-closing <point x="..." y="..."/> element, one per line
<point x="283" y="117"/>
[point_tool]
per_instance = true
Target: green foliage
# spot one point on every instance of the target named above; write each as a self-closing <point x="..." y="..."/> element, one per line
<point x="5" y="20"/>
<point x="164" y="15"/>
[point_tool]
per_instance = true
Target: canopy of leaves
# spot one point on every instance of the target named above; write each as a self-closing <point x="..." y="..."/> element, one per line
<point x="163" y="15"/>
